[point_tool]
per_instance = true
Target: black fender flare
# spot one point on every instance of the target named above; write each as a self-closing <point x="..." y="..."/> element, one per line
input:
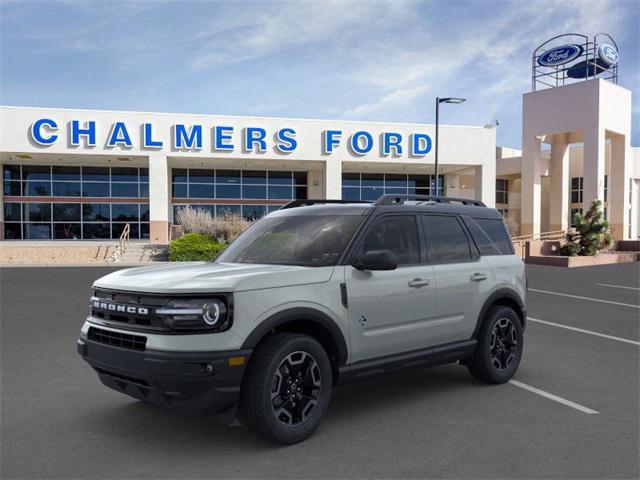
<point x="321" y="319"/>
<point x="501" y="294"/>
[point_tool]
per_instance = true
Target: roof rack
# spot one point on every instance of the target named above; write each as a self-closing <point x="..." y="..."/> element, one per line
<point x="309" y="202"/>
<point x="395" y="199"/>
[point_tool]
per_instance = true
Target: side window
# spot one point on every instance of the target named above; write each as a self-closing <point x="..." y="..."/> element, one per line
<point x="398" y="233"/>
<point x="497" y="232"/>
<point x="447" y="241"/>
<point x="484" y="243"/>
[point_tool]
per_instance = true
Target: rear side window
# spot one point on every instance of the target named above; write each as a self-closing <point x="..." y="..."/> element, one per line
<point x="484" y="243"/>
<point x="497" y="232"/>
<point x="446" y="239"/>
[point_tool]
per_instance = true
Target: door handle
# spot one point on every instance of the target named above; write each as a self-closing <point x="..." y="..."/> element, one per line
<point x="418" y="282"/>
<point x="478" y="277"/>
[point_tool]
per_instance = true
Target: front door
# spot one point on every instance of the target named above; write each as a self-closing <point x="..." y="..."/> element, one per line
<point x="390" y="311"/>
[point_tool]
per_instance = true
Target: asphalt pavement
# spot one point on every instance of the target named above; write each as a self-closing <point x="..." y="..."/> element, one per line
<point x="573" y="411"/>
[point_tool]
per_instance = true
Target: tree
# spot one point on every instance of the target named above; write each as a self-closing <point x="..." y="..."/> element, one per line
<point x="591" y="235"/>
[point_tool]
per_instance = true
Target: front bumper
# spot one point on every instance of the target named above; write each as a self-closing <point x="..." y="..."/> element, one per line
<point x="195" y="381"/>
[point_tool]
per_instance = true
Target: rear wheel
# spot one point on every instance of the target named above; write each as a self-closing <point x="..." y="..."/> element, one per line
<point x="287" y="387"/>
<point x="500" y="343"/>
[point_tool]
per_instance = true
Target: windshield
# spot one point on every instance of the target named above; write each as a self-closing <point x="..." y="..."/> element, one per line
<point x="312" y="241"/>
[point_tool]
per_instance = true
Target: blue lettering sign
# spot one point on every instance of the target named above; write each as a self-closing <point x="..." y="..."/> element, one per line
<point x="359" y="147"/>
<point x="147" y="137"/>
<point x="255" y="136"/>
<point x="391" y="140"/>
<point x="286" y="140"/>
<point x="420" y="144"/>
<point x="330" y="140"/>
<point x="221" y="137"/>
<point x="119" y="136"/>
<point x="186" y="139"/>
<point x="37" y="134"/>
<point x="89" y="131"/>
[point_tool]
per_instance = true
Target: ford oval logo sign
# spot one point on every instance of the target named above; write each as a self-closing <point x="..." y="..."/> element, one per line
<point x="560" y="55"/>
<point x="608" y="54"/>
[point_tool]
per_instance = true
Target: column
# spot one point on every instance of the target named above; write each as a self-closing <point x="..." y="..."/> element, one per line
<point x="333" y="179"/>
<point x="531" y="186"/>
<point x="618" y="188"/>
<point x="485" y="183"/>
<point x="159" y="198"/>
<point x="593" y="167"/>
<point x="559" y="204"/>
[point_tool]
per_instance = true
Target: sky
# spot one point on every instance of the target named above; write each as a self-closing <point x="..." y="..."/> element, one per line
<point x="344" y="60"/>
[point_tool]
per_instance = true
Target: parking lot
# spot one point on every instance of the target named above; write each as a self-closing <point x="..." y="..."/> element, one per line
<point x="572" y="411"/>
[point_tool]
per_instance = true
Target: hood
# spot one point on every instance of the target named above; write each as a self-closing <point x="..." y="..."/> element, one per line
<point x="206" y="277"/>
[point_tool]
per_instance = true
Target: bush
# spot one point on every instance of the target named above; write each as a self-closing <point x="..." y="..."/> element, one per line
<point x="591" y="235"/>
<point x="223" y="228"/>
<point x="194" y="247"/>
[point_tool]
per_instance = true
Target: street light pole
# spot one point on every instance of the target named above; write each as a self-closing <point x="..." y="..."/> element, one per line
<point x="438" y="102"/>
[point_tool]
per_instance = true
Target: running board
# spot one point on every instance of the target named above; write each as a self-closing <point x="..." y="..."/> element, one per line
<point x="428" y="357"/>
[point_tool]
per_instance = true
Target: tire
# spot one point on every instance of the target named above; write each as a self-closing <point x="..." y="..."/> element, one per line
<point x="297" y="369"/>
<point x="500" y="344"/>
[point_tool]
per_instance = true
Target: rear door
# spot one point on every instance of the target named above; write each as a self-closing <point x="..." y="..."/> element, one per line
<point x="462" y="277"/>
<point x="391" y="311"/>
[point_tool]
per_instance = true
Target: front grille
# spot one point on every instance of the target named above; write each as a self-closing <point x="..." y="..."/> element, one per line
<point x="117" y="339"/>
<point x="134" y="310"/>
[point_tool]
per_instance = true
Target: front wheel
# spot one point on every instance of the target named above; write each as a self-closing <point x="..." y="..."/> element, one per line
<point x="286" y="389"/>
<point x="500" y="344"/>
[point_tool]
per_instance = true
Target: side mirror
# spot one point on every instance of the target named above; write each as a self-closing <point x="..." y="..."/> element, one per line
<point x="377" y="260"/>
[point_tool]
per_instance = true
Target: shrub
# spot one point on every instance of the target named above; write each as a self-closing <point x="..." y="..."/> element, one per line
<point x="194" y="247"/>
<point x="591" y="235"/>
<point x="223" y="228"/>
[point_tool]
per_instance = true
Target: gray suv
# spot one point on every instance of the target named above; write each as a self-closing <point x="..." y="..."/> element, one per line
<point x="317" y="293"/>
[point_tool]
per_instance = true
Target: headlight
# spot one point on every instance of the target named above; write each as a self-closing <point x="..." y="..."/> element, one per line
<point x="209" y="314"/>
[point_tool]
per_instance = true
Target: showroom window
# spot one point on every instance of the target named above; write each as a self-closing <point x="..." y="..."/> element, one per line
<point x="369" y="186"/>
<point x="204" y="187"/>
<point x="502" y="190"/>
<point x="63" y="213"/>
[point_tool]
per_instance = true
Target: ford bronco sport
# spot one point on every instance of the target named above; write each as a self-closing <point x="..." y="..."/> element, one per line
<point x="317" y="293"/>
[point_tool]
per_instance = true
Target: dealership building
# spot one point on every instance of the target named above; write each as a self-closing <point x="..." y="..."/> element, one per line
<point x="86" y="174"/>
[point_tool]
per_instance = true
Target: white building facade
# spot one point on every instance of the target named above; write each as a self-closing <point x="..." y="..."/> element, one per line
<point x="85" y="174"/>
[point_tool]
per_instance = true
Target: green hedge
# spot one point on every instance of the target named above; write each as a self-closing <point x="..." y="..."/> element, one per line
<point x="194" y="247"/>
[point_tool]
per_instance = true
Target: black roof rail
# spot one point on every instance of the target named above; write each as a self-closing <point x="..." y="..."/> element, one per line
<point x="309" y="202"/>
<point x="396" y="199"/>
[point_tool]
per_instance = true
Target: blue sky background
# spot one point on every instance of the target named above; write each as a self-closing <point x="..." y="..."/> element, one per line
<point x="367" y="60"/>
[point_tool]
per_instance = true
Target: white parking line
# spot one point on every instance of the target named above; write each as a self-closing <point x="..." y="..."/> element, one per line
<point x="589" y="332"/>
<point x="584" y="298"/>
<point x="616" y="286"/>
<point x="553" y="397"/>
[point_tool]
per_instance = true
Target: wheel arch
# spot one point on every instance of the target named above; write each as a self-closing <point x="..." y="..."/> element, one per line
<point x="506" y="297"/>
<point x="307" y="321"/>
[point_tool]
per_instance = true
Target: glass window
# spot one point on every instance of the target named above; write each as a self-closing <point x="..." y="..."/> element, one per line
<point x="124" y="174"/>
<point x="66" y="189"/>
<point x="200" y="175"/>
<point x="37" y="212"/>
<point x="37" y="189"/>
<point x="419" y="181"/>
<point x="144" y="190"/>
<point x="13" y="231"/>
<point x="257" y="177"/>
<point x="179" y="190"/>
<point x="36" y="172"/>
<point x="350" y="193"/>
<point x="282" y="193"/>
<point x="371" y="193"/>
<point x="228" y="176"/>
<point x="144" y="212"/>
<point x="253" y="212"/>
<point x="281" y="178"/>
<point x="497" y="231"/>
<point x="502" y="190"/>
<point x="124" y="212"/>
<point x="351" y="179"/>
<point x="197" y="190"/>
<point x="447" y="241"/>
<point x="576" y="190"/>
<point x="372" y="180"/>
<point x="96" y="212"/>
<point x="95" y="174"/>
<point x="12" y="212"/>
<point x="395" y="191"/>
<point x="228" y="191"/>
<point x="179" y="175"/>
<point x="12" y="189"/>
<point x="95" y="189"/>
<point x="483" y="242"/>
<point x="124" y="190"/>
<point x="144" y="230"/>
<point x="397" y="233"/>
<point x="96" y="230"/>
<point x="254" y="191"/>
<point x="572" y="219"/>
<point x="229" y="209"/>
<point x="300" y="178"/>
<point x="300" y="193"/>
<point x="313" y="241"/>
<point x="117" y="229"/>
<point x="37" y="231"/>
<point x="66" y="173"/>
<point x="66" y="212"/>
<point x="71" y="231"/>
<point x="144" y="174"/>
<point x="11" y="172"/>
<point x="395" y="180"/>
